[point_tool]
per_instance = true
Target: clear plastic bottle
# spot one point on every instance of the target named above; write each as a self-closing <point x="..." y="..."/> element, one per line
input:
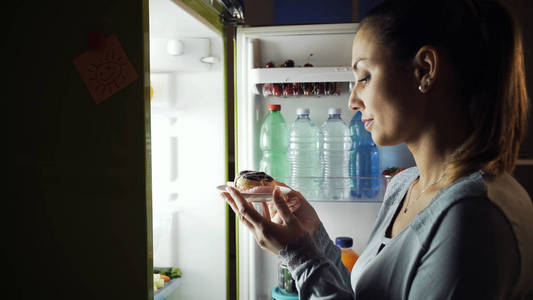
<point x="348" y="255"/>
<point x="274" y="140"/>
<point x="364" y="161"/>
<point x="335" y="155"/>
<point x="304" y="155"/>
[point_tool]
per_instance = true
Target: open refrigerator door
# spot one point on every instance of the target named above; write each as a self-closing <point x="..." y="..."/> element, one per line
<point x="328" y="49"/>
<point x="188" y="151"/>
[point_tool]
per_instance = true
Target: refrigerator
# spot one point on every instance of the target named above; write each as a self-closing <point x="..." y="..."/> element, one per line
<point x="189" y="142"/>
<point x="328" y="48"/>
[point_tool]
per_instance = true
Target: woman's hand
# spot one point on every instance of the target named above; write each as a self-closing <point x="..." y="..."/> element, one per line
<point x="271" y="234"/>
<point x="301" y="209"/>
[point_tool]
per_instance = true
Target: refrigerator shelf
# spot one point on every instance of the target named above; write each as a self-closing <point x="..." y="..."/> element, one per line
<point x="306" y="74"/>
<point x="168" y="290"/>
<point x="341" y="189"/>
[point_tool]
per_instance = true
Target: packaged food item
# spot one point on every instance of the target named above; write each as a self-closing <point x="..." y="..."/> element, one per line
<point x="330" y="88"/>
<point x="277" y="89"/>
<point x="320" y="88"/>
<point x="287" y="89"/>
<point x="297" y="89"/>
<point x="308" y="88"/>
<point x="267" y="89"/>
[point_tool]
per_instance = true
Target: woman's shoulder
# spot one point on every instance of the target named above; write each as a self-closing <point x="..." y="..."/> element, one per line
<point x="503" y="191"/>
<point x="484" y="203"/>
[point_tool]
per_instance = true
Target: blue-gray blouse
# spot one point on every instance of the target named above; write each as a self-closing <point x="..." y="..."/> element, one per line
<point x="473" y="241"/>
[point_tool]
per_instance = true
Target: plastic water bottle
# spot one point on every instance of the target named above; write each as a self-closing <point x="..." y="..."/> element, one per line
<point x="364" y="161"/>
<point x="348" y="255"/>
<point x="335" y="155"/>
<point x="274" y="144"/>
<point x="304" y="155"/>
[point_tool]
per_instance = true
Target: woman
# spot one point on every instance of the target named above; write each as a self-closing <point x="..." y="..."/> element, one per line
<point x="446" y="77"/>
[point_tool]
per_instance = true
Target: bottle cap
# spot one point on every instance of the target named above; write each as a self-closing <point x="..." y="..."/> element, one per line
<point x="334" y="111"/>
<point x="344" y="242"/>
<point x="358" y="115"/>
<point x="274" y="107"/>
<point x="302" y="111"/>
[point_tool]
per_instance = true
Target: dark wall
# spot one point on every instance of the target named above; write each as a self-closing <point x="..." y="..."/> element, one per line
<point x="285" y="12"/>
<point x="523" y="10"/>
<point x="302" y="11"/>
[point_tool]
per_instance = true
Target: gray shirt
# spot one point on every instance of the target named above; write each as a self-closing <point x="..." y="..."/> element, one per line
<point x="473" y="241"/>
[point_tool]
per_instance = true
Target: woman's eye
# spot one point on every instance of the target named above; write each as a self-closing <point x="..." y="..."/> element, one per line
<point x="364" y="79"/>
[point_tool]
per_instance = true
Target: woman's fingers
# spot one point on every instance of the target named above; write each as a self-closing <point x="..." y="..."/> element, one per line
<point x="281" y="206"/>
<point x="235" y="209"/>
<point x="244" y="208"/>
<point x="266" y="212"/>
<point x="280" y="183"/>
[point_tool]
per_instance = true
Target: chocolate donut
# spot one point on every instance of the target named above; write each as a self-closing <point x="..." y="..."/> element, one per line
<point x="248" y="179"/>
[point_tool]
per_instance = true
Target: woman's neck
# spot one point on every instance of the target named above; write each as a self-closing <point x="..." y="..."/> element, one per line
<point x="433" y="148"/>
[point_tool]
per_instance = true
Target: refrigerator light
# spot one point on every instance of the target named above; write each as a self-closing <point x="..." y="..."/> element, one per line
<point x="175" y="47"/>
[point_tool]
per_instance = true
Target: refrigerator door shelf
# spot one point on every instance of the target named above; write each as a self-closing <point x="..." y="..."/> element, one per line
<point x="340" y="189"/>
<point x="167" y="291"/>
<point x="309" y="74"/>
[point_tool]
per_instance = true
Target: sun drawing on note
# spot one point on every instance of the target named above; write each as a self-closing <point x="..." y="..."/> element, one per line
<point x="107" y="72"/>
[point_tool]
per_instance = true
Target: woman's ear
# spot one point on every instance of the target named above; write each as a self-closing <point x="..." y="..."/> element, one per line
<point x="426" y="67"/>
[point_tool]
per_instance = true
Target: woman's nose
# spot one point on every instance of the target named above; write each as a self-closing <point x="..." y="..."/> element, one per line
<point x="355" y="102"/>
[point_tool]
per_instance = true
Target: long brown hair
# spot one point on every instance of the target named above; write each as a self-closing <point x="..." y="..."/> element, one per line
<point x="484" y="42"/>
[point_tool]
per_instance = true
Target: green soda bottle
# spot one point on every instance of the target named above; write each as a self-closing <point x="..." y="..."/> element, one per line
<point x="274" y="143"/>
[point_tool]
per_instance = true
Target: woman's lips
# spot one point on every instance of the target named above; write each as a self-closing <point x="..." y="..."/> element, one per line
<point x="368" y="123"/>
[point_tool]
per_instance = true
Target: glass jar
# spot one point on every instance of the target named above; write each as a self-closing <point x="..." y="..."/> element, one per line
<point x="286" y="283"/>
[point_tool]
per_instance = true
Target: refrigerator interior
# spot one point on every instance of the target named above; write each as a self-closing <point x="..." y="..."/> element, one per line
<point x="188" y="147"/>
<point x="331" y="48"/>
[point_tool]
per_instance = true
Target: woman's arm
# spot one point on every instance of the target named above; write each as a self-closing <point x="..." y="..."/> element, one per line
<point x="331" y="252"/>
<point x="473" y="255"/>
<point x="317" y="276"/>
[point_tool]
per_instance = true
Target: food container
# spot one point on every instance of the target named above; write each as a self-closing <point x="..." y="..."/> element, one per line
<point x="286" y="284"/>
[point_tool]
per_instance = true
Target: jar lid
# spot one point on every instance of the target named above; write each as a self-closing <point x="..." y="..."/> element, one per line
<point x="274" y="107"/>
<point x="278" y="295"/>
<point x="344" y="241"/>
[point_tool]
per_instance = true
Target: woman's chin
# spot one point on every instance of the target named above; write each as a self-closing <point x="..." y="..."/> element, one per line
<point x="381" y="140"/>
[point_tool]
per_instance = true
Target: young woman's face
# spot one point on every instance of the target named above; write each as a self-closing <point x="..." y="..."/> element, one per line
<point x="385" y="91"/>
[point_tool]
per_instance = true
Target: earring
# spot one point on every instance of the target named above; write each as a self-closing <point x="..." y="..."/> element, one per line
<point x="421" y="88"/>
